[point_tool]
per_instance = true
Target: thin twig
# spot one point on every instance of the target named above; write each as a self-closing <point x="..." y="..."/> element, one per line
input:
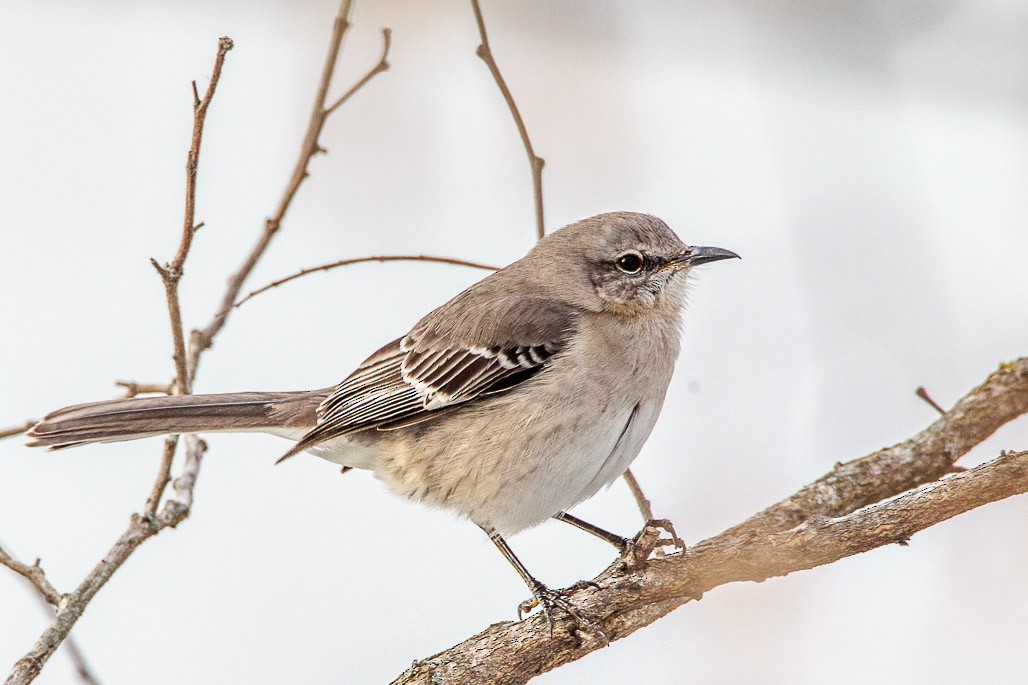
<point x="171" y="272"/>
<point x="852" y="509"/>
<point x="640" y="498"/>
<point x="85" y="673"/>
<point x="536" y="162"/>
<point x="923" y="394"/>
<point x="133" y="388"/>
<point x="383" y="65"/>
<point x="17" y="430"/>
<point x="202" y="339"/>
<point x="362" y="260"/>
<point x="163" y="475"/>
<point x="34" y="574"/>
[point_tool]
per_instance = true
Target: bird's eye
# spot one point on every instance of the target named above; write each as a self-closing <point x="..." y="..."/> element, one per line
<point x="630" y="262"/>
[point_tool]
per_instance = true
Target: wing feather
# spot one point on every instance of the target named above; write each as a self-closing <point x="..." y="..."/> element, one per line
<point x="412" y="378"/>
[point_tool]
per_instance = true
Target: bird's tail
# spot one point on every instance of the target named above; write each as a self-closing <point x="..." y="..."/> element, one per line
<point x="289" y="414"/>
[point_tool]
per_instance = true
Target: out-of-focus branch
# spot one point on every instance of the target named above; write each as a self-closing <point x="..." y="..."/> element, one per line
<point x="846" y="512"/>
<point x="201" y="339"/>
<point x="17" y="430"/>
<point x="362" y="260"/>
<point x="536" y="162"/>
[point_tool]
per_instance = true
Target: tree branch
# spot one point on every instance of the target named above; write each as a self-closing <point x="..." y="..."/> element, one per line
<point x="34" y="574"/>
<point x="201" y="339"/>
<point x="536" y="162"/>
<point x="140" y="529"/>
<point x="17" y="430"/>
<point x="176" y="509"/>
<point x="845" y="512"/>
<point x="362" y="260"/>
<point x="171" y="272"/>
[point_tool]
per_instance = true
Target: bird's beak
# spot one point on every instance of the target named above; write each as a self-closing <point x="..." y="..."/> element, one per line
<point x="694" y="256"/>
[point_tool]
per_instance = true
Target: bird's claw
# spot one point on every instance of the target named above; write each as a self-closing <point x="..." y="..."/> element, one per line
<point x="651" y="541"/>
<point x="553" y="600"/>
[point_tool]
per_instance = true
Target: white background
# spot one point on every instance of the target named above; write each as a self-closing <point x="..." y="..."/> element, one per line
<point x="867" y="160"/>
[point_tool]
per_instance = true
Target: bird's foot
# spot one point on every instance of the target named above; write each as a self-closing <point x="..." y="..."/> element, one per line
<point x="553" y="601"/>
<point x="656" y="536"/>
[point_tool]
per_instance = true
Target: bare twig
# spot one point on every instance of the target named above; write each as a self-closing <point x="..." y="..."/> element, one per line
<point x="536" y="162"/>
<point x="141" y="528"/>
<point x="171" y="272"/>
<point x="17" y="430"/>
<point x="640" y="497"/>
<point x="85" y="673"/>
<point x="846" y="512"/>
<point x="132" y="388"/>
<point x="361" y="260"/>
<point x="163" y="475"/>
<point x="176" y="509"/>
<point x="45" y="593"/>
<point x="202" y="339"/>
<point x="383" y="65"/>
<point x="34" y="574"/>
<point x="923" y="394"/>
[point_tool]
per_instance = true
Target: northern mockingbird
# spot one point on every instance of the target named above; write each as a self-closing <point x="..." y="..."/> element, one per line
<point x="511" y="403"/>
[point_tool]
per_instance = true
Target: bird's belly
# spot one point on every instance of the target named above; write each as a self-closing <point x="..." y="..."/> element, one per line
<point x="513" y="475"/>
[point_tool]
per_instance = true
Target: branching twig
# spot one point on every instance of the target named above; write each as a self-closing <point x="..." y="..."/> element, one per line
<point x="361" y="260"/>
<point x="17" y="430"/>
<point x="177" y="508"/>
<point x="34" y="574"/>
<point x="202" y="339"/>
<point x="49" y="600"/>
<point x="171" y="272"/>
<point x="536" y="162"/>
<point x="846" y="512"/>
<point x="132" y="388"/>
<point x="141" y="528"/>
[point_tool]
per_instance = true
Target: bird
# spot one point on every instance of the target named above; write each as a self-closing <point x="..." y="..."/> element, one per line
<point x="516" y="400"/>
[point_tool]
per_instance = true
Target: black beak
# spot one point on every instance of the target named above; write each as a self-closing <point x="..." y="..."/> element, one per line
<point x="695" y="256"/>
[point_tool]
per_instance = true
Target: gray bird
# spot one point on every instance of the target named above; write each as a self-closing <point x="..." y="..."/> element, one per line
<point x="519" y="398"/>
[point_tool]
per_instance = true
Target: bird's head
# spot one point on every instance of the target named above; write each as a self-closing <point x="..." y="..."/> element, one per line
<point x="623" y="261"/>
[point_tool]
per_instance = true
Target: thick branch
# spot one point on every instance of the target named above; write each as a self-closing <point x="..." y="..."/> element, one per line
<point x="840" y="514"/>
<point x="201" y="339"/>
<point x="362" y="260"/>
<point x="536" y="162"/>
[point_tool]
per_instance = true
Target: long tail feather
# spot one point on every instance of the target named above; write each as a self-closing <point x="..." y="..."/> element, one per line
<point x="282" y="413"/>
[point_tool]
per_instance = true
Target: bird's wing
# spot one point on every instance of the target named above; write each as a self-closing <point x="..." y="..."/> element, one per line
<point x="441" y="364"/>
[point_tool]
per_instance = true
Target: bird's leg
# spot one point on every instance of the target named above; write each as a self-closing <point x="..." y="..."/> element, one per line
<point x="544" y="596"/>
<point x="621" y="543"/>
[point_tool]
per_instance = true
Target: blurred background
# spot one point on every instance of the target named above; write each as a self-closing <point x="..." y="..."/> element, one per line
<point x="867" y="159"/>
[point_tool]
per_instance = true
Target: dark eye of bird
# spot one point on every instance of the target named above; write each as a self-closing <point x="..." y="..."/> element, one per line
<point x="630" y="262"/>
